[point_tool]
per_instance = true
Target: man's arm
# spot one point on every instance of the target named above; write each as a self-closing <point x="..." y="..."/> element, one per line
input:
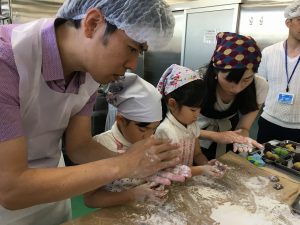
<point x="78" y="139"/>
<point x="22" y="187"/>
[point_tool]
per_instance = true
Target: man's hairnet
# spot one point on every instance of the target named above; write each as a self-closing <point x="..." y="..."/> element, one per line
<point x="148" y="21"/>
<point x="292" y="10"/>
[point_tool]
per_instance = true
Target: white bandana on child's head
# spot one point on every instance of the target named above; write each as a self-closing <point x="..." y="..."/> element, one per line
<point x="174" y="77"/>
<point x="135" y="99"/>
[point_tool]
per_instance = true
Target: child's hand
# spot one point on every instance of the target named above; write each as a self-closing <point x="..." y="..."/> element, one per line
<point x="211" y="171"/>
<point x="178" y="173"/>
<point x="180" y="170"/>
<point x="158" y="179"/>
<point x="218" y="164"/>
<point x="149" y="192"/>
<point x="220" y="167"/>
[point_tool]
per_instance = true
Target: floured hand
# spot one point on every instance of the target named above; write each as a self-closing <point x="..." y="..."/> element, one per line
<point x="149" y="192"/>
<point x="246" y="146"/>
<point x="219" y="167"/>
<point x="178" y="173"/>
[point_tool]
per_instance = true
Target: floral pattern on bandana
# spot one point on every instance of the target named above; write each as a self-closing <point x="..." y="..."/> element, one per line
<point x="174" y="77"/>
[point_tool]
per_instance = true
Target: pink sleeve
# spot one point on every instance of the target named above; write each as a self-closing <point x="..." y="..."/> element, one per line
<point x="10" y="118"/>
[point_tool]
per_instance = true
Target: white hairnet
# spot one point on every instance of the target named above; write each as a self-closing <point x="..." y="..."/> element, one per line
<point x="148" y="21"/>
<point x="135" y="99"/>
<point x="292" y="10"/>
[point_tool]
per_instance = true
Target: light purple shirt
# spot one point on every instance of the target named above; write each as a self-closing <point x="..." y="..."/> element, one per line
<point x="10" y="118"/>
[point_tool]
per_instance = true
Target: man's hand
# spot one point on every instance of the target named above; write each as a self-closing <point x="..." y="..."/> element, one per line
<point x="149" y="156"/>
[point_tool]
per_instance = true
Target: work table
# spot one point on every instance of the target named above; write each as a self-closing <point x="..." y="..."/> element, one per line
<point x="243" y="196"/>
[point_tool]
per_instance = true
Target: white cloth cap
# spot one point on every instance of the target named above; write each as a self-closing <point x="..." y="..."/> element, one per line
<point x="136" y="99"/>
<point x="144" y="21"/>
<point x="292" y="10"/>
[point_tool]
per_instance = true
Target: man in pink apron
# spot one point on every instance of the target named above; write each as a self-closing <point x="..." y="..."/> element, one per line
<point x="49" y="74"/>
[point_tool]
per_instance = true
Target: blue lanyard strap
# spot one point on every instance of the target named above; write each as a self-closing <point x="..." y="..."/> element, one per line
<point x="286" y="68"/>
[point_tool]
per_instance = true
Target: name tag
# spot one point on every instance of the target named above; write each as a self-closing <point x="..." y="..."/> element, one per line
<point x="286" y="98"/>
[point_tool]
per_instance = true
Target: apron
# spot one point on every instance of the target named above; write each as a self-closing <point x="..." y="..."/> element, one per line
<point x="45" y="115"/>
<point x="217" y="125"/>
<point x="217" y="117"/>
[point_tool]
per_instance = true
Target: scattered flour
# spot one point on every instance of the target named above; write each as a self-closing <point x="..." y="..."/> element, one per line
<point x="165" y="215"/>
<point x="157" y="219"/>
<point x="256" y="183"/>
<point x="243" y="202"/>
<point x="268" y="211"/>
<point x="228" y="214"/>
<point x="206" y="193"/>
<point x="272" y="213"/>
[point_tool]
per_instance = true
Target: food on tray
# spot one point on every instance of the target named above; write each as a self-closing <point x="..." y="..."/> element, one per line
<point x="271" y="156"/>
<point x="296" y="166"/>
<point x="283" y="154"/>
<point x="281" y="151"/>
<point x="290" y="147"/>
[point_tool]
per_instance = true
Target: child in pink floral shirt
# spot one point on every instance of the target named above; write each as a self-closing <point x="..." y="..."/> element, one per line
<point x="183" y="92"/>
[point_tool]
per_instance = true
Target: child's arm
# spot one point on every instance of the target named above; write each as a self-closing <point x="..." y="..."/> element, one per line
<point x="203" y="166"/>
<point x="199" y="157"/>
<point x="101" y="198"/>
<point x="204" y="170"/>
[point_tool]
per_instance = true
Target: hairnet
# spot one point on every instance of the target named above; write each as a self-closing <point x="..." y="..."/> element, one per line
<point x="135" y="99"/>
<point x="292" y="10"/>
<point x="148" y="21"/>
<point x="235" y="51"/>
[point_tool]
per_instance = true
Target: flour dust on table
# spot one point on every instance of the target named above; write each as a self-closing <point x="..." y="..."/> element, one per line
<point x="239" y="198"/>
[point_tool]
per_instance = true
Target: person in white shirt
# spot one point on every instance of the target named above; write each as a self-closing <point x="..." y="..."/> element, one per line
<point x="280" y="119"/>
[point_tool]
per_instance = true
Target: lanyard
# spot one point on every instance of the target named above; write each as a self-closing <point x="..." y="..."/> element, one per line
<point x="286" y="68"/>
